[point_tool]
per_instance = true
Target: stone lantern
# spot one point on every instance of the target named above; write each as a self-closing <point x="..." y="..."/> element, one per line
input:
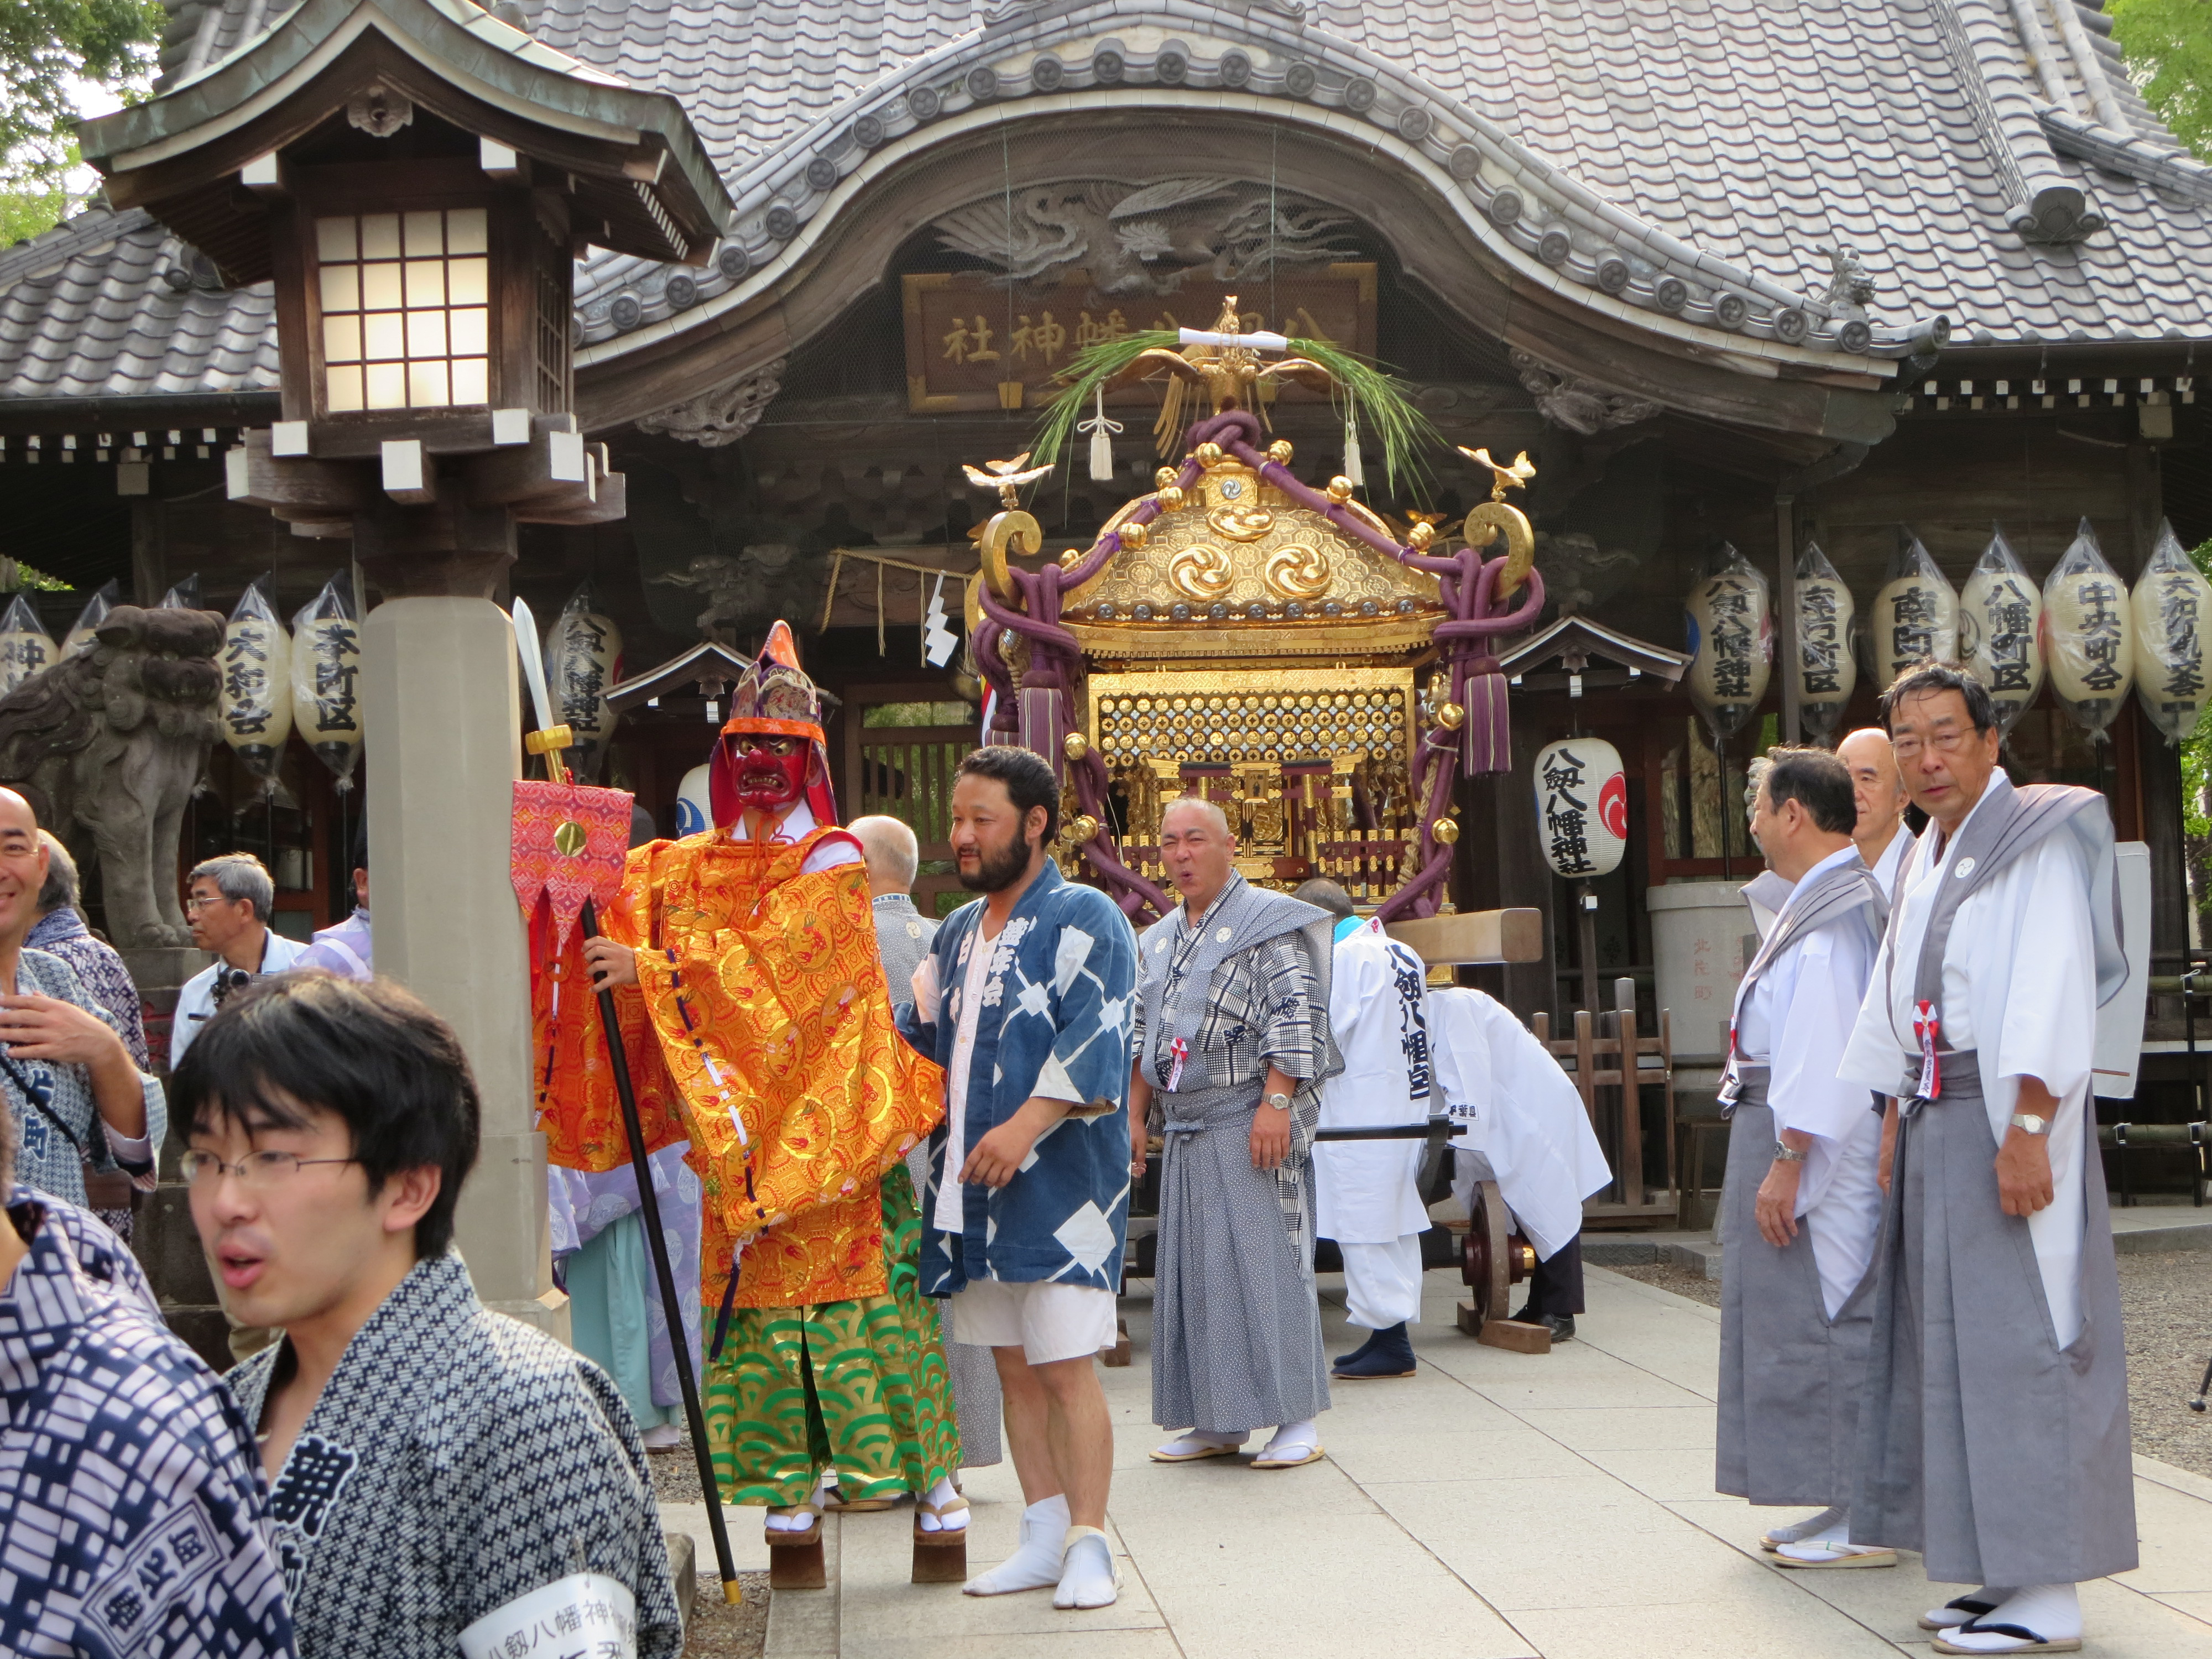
<point x="416" y="178"/>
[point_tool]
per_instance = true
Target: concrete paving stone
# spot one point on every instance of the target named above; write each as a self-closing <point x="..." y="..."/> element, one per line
<point x="747" y="1547"/>
<point x="2197" y="1604"/>
<point x="2175" y="1534"/>
<point x="1629" y="1389"/>
<point x="1721" y="1629"/>
<point x="919" y="1641"/>
<point x="1376" y="1460"/>
<point x="1625" y="1428"/>
<point x="1667" y="1476"/>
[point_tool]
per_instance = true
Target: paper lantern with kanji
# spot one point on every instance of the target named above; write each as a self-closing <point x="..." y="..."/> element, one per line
<point x="2088" y="633"/>
<point x="1582" y="807"/>
<point x="2173" y="607"/>
<point x="2000" y="615"/>
<point x="1730" y="631"/>
<point x="325" y="678"/>
<point x="1916" y="614"/>
<point x="256" y="708"/>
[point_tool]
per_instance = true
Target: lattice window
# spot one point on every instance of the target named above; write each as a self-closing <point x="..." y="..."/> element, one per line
<point x="406" y="309"/>
<point x="555" y="306"/>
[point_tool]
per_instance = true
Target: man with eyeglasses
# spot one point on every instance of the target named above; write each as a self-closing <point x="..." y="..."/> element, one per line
<point x="442" y="1479"/>
<point x="1994" y="1436"/>
<point x="71" y="1086"/>
<point x="134" y="1520"/>
<point x="231" y="900"/>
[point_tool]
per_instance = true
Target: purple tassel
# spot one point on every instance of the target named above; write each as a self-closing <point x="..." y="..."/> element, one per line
<point x="1489" y="722"/>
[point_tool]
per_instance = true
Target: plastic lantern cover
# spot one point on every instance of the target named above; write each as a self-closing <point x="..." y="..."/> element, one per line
<point x="1916" y="614"/>
<point x="2172" y="607"/>
<point x="25" y="648"/>
<point x="2088" y="633"/>
<point x="86" y="633"/>
<point x="256" y="706"/>
<point x="1827" y="673"/>
<point x="1582" y="807"/>
<point x="184" y="596"/>
<point x="1730" y="630"/>
<point x="692" y="813"/>
<point x="1999" y="633"/>
<point x="583" y="654"/>
<point x="326" y="678"/>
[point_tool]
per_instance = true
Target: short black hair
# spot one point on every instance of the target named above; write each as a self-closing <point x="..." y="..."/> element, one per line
<point x="1927" y="676"/>
<point x="373" y="1054"/>
<point x="1328" y="895"/>
<point x="1816" y="780"/>
<point x="1029" y="780"/>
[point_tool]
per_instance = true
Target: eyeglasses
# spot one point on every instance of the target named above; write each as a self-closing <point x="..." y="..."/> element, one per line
<point x="259" y="1171"/>
<point x="202" y="903"/>
<point x="1948" y="742"/>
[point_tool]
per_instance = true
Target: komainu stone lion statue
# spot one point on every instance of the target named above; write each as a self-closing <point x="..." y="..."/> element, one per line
<point x="107" y="745"/>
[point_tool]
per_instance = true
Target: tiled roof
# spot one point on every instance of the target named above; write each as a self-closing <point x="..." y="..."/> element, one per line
<point x="111" y="305"/>
<point x="1673" y="157"/>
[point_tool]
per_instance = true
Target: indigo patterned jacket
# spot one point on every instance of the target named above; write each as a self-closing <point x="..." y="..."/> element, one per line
<point x="1055" y="1021"/>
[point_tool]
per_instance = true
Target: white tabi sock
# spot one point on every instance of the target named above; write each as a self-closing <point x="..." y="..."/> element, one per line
<point x="1035" y="1564"/>
<point x="2053" y="1612"/>
<point x="941" y="1494"/>
<point x="1087" y="1574"/>
<point x="1950" y="1615"/>
<point x="1304" y="1435"/>
<point x="1812" y="1526"/>
<point x="1192" y="1440"/>
<point x="800" y="1519"/>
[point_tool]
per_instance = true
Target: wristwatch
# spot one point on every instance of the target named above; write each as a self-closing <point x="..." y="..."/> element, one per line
<point x="1787" y="1154"/>
<point x="1280" y="1103"/>
<point x="2031" y="1124"/>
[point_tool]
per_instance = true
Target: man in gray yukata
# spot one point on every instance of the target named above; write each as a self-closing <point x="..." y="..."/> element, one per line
<point x="1801" y="1209"/>
<point x="1995" y="1431"/>
<point x="902" y="937"/>
<point x="1231" y="1046"/>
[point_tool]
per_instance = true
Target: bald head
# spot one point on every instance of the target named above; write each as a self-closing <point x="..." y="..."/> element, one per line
<point x="891" y="851"/>
<point x="1878" y="787"/>
<point x="1184" y="807"/>
<point x="1197" y="850"/>
<point x="22" y="869"/>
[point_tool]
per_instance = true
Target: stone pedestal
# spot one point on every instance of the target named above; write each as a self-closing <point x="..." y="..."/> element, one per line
<point x="441" y="695"/>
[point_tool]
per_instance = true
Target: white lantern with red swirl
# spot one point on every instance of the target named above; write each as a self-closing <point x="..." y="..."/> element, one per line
<point x="1582" y="807"/>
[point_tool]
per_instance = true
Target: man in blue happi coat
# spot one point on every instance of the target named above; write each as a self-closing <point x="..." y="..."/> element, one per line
<point x="1025" y="1000"/>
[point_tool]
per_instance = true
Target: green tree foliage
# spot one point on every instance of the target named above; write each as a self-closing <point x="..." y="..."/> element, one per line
<point x="46" y="47"/>
<point x="2168" y="44"/>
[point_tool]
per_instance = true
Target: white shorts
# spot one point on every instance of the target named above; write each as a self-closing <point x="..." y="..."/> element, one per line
<point x="1048" y="1322"/>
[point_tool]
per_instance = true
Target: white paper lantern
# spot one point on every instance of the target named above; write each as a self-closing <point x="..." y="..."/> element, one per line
<point x="1582" y="807"/>
<point x="583" y="653"/>
<point x="2172" y="607"/>
<point x="1916" y="614"/>
<point x="256" y="705"/>
<point x="2088" y="633"/>
<point x="2000" y="618"/>
<point x="25" y="648"/>
<point x="1826" y="671"/>
<point x="693" y="814"/>
<point x="1730" y="632"/>
<point x="326" y="678"/>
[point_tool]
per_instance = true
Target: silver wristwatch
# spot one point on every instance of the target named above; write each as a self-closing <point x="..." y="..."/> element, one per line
<point x="2029" y="1123"/>
<point x="1787" y="1154"/>
<point x="1280" y="1103"/>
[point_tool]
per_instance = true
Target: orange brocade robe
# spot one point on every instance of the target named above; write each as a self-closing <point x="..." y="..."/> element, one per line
<point x="761" y="1011"/>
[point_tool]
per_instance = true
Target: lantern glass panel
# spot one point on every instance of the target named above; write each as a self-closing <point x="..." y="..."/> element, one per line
<point x="421" y="323"/>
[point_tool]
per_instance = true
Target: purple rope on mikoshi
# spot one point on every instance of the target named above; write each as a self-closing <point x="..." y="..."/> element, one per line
<point x="1466" y="582"/>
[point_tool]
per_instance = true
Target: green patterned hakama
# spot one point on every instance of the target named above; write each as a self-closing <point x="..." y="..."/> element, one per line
<point x="857" y="1386"/>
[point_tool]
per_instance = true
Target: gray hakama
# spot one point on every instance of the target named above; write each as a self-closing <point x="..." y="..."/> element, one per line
<point x="1236" y="1322"/>
<point x="1789" y="1427"/>
<point x="2002" y="1457"/>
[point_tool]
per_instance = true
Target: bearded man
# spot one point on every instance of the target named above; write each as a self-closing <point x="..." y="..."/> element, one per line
<point x="753" y="1001"/>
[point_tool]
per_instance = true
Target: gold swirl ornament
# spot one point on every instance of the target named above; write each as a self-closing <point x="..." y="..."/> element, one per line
<point x="1297" y="572"/>
<point x="1495" y="521"/>
<point x="1012" y="532"/>
<point x="1201" y="572"/>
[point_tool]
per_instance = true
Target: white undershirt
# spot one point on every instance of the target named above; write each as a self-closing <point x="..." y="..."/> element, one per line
<point x="952" y="1211"/>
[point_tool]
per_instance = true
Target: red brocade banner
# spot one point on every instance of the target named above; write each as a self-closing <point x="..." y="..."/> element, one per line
<point x="570" y="842"/>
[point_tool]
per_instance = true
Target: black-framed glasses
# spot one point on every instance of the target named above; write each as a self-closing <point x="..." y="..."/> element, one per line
<point x="263" y="1169"/>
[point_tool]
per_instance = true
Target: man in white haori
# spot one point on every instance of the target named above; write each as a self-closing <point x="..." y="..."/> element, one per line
<point x="1801" y="1209"/>
<point x="1994" y="1432"/>
<point x="1878" y="787"/>
<point x="1518" y="1120"/>
<point x="1366" y="1194"/>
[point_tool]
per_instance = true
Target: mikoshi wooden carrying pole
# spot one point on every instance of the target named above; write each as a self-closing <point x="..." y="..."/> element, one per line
<point x="549" y="740"/>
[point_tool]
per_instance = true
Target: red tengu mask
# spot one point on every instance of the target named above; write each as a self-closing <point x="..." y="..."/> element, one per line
<point x="770" y="781"/>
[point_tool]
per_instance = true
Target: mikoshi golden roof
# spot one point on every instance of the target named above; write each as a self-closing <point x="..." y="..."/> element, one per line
<point x="1237" y="568"/>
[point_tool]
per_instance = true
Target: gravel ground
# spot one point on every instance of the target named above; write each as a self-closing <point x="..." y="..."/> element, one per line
<point x="2166" y="1301"/>
<point x="719" y="1631"/>
<point x="675" y="1475"/>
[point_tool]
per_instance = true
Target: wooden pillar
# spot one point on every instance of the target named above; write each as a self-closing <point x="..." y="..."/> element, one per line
<point x="1785" y="612"/>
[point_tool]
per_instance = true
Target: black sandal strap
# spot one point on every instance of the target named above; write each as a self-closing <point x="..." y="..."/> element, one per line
<point x="1977" y="1627"/>
<point x="1972" y="1604"/>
